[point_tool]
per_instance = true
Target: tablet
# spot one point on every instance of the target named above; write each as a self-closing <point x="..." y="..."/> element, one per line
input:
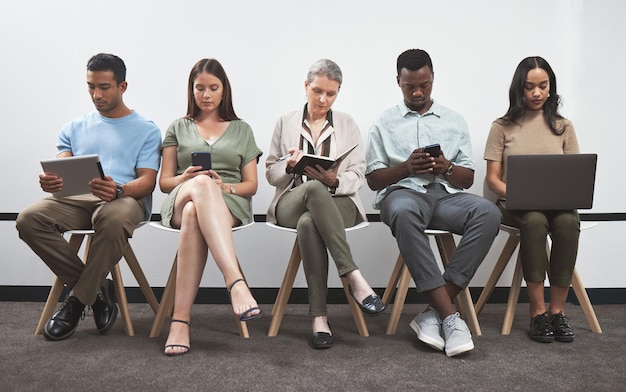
<point x="76" y="172"/>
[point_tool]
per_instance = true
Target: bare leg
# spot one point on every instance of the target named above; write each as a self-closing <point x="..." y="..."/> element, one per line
<point x="536" y="298"/>
<point x="215" y="223"/>
<point x="440" y="300"/>
<point x="558" y="295"/>
<point x="320" y="324"/>
<point x="192" y="255"/>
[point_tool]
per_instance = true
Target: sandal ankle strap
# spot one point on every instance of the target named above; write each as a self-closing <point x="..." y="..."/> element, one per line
<point x="234" y="283"/>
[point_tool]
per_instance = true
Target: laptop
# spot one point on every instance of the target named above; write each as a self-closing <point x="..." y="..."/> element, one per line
<point x="76" y="172"/>
<point x="550" y="182"/>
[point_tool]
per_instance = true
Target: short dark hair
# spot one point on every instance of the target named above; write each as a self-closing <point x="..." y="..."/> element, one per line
<point x="213" y="67"/>
<point x="108" y="62"/>
<point x="517" y="99"/>
<point x="414" y="59"/>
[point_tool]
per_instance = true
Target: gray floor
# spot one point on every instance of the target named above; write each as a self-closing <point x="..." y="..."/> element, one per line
<point x="222" y="361"/>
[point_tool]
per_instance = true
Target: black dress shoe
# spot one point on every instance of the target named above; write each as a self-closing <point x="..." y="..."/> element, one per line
<point x="65" y="321"/>
<point x="104" y="309"/>
<point x="561" y="329"/>
<point x="541" y="329"/>
<point x="371" y="304"/>
<point x="322" y="340"/>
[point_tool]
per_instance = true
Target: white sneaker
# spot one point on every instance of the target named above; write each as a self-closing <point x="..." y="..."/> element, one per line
<point x="457" y="335"/>
<point x="427" y="326"/>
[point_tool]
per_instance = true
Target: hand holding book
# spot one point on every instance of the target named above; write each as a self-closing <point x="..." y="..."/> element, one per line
<point x="325" y="162"/>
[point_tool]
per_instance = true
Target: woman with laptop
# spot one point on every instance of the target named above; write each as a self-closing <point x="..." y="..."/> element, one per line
<point x="208" y="197"/>
<point x="533" y="125"/>
<point x="320" y="203"/>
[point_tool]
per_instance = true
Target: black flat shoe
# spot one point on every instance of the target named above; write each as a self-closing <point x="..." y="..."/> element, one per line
<point x="541" y="329"/>
<point x="322" y="340"/>
<point x="561" y="329"/>
<point x="65" y="321"/>
<point x="372" y="304"/>
<point x="104" y="309"/>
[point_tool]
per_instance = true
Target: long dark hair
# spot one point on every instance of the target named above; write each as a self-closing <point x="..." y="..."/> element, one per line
<point x="517" y="99"/>
<point x="212" y="66"/>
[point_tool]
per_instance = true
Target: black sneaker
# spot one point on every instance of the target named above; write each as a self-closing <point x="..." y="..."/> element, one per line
<point x="104" y="309"/>
<point x="65" y="321"/>
<point x="562" y="331"/>
<point x="541" y="329"/>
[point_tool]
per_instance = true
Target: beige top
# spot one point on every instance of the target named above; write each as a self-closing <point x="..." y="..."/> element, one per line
<point x="531" y="136"/>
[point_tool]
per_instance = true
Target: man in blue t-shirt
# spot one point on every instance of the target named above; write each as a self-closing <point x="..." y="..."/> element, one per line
<point x="128" y="146"/>
<point x="419" y="160"/>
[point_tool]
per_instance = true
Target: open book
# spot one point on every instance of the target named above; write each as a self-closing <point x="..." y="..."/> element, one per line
<point x="325" y="162"/>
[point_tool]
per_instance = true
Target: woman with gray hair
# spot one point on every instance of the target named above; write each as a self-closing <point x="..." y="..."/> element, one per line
<point x="320" y="203"/>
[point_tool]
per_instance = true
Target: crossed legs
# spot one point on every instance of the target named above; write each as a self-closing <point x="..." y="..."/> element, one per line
<point x="205" y="224"/>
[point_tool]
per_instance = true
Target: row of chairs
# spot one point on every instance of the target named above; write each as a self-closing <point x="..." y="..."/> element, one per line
<point x="396" y="289"/>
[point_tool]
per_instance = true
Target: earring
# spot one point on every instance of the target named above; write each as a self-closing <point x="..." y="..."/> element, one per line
<point x="548" y="95"/>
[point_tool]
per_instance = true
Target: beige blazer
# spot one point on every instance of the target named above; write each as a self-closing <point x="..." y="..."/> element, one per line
<point x="344" y="134"/>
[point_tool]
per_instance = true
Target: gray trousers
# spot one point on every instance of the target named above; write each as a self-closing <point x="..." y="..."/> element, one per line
<point x="408" y="213"/>
<point x="42" y="225"/>
<point x="320" y="220"/>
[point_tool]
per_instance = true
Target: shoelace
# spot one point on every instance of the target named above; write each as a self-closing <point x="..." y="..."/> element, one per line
<point x="67" y="301"/>
<point x="451" y="323"/>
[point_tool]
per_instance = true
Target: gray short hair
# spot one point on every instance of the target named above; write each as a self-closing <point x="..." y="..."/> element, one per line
<point x="325" y="67"/>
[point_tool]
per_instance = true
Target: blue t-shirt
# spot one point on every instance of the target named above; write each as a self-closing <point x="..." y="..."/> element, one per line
<point x="123" y="144"/>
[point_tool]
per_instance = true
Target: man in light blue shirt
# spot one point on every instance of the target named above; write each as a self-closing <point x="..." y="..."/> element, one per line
<point x="419" y="160"/>
<point x="128" y="146"/>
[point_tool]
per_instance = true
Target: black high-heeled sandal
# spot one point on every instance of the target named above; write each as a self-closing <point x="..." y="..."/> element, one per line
<point x="178" y="345"/>
<point x="245" y="316"/>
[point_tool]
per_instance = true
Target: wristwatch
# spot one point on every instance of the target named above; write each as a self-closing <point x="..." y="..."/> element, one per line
<point x="232" y="189"/>
<point x="119" y="193"/>
<point x="450" y="169"/>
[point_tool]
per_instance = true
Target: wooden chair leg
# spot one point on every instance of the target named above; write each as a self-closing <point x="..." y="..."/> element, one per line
<point x="398" y="303"/>
<point x="463" y="300"/>
<point x="122" y="301"/>
<point x="503" y="261"/>
<point x="133" y="264"/>
<point x="57" y="286"/>
<point x="51" y="304"/>
<point x="167" y="302"/>
<point x="357" y="314"/>
<point x="585" y="303"/>
<point x="511" y="304"/>
<point x="285" y="289"/>
<point x="390" y="289"/>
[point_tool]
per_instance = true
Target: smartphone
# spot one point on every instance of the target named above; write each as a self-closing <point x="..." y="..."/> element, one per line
<point x="202" y="158"/>
<point x="433" y="149"/>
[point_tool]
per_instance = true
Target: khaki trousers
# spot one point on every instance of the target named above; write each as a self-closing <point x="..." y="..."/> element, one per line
<point x="42" y="225"/>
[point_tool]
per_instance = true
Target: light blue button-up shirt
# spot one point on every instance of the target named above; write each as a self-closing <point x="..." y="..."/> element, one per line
<point x="399" y="130"/>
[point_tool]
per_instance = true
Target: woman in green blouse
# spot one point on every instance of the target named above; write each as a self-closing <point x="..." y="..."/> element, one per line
<point x="206" y="204"/>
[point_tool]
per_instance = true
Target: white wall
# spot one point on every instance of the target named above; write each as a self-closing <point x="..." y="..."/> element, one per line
<point x="266" y="49"/>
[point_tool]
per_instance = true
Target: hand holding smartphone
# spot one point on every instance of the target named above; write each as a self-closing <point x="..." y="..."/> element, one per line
<point x="433" y="149"/>
<point x="202" y="158"/>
